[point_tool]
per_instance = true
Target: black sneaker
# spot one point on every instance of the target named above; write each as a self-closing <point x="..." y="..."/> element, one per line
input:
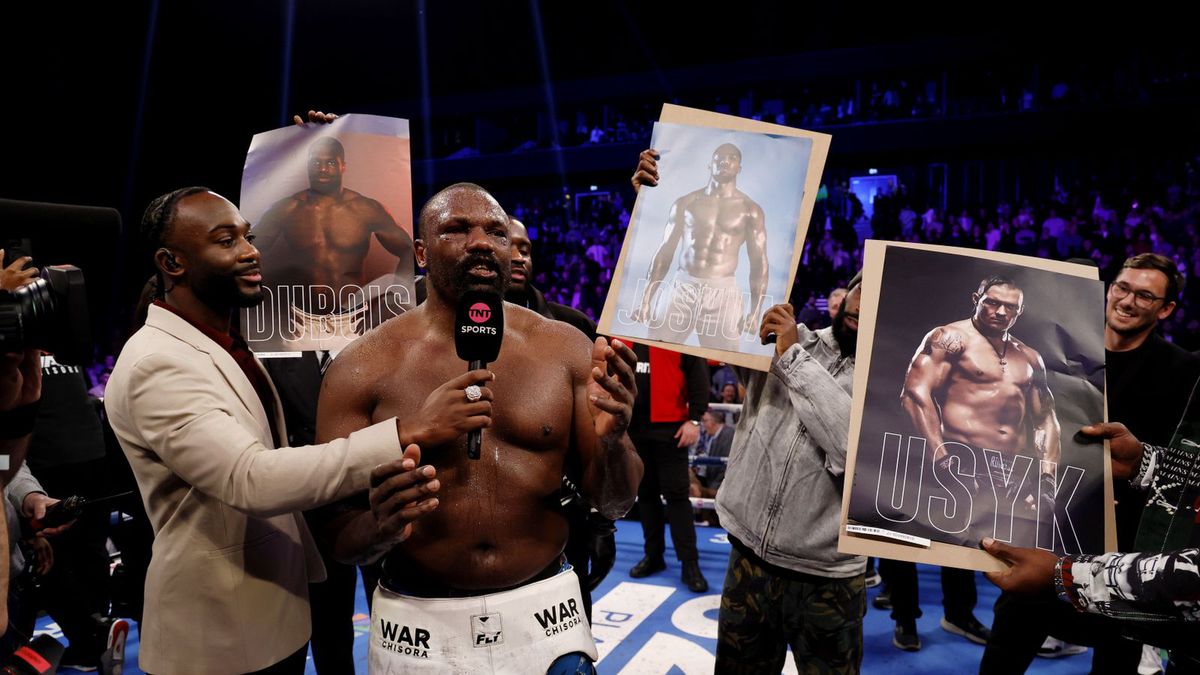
<point x="969" y="628"/>
<point x="883" y="600"/>
<point x="905" y="636"/>
<point x="692" y="576"/>
<point x="645" y="567"/>
<point x="77" y="659"/>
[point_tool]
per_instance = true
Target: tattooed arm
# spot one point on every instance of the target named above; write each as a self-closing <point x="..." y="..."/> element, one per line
<point x="927" y="374"/>
<point x="1046" y="430"/>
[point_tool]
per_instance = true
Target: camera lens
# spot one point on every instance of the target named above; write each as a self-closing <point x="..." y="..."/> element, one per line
<point x="49" y="314"/>
<point x="24" y="315"/>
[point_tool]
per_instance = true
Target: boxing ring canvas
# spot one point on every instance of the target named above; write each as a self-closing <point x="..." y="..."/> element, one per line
<point x="949" y="344"/>
<point x="723" y="179"/>
<point x="331" y="208"/>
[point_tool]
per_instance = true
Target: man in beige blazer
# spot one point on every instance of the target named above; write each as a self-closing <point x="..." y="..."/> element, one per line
<point x="195" y="413"/>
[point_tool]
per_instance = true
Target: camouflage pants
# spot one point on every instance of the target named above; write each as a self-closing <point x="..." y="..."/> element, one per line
<point x="764" y="609"/>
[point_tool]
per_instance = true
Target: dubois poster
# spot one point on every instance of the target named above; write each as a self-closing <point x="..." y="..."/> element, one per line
<point x="331" y="210"/>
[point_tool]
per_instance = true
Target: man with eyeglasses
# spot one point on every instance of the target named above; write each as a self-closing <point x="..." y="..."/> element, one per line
<point x="1150" y="381"/>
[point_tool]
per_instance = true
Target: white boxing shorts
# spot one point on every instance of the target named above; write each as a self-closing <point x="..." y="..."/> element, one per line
<point x="519" y="631"/>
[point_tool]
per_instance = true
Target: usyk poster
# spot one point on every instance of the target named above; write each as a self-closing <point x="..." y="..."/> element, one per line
<point x="716" y="243"/>
<point x="975" y="372"/>
<point x="330" y="206"/>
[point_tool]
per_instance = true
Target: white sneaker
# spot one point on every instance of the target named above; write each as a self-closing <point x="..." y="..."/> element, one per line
<point x="873" y="579"/>
<point x="1054" y="648"/>
<point x="1151" y="663"/>
<point x="113" y="659"/>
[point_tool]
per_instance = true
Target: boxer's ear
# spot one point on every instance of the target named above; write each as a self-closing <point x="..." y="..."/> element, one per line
<point x="420" y="252"/>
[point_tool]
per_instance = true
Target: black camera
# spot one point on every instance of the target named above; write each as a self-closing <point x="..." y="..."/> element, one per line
<point x="50" y="314"/>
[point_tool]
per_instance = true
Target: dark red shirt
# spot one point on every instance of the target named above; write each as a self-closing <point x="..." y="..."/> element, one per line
<point x="237" y="348"/>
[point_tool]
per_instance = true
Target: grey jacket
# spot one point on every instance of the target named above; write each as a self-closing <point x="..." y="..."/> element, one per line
<point x="782" y="495"/>
<point x="19" y="487"/>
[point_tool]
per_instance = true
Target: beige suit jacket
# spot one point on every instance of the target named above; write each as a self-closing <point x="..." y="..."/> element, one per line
<point x="227" y="589"/>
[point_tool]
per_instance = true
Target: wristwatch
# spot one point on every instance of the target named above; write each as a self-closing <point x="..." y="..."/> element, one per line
<point x="695" y="423"/>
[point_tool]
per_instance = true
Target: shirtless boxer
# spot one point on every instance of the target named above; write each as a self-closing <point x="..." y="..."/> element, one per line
<point x="473" y="577"/>
<point x="976" y="394"/>
<point x="318" y="239"/>
<point x="703" y="296"/>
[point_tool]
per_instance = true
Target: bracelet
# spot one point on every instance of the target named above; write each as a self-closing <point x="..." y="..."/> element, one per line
<point x="19" y="421"/>
<point x="1063" y="581"/>
<point x="1139" y="478"/>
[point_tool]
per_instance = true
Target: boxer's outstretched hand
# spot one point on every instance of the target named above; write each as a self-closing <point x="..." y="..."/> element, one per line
<point x="401" y="492"/>
<point x="1124" y="448"/>
<point x="1031" y="569"/>
<point x="447" y="412"/>
<point x="612" y="396"/>
<point x="647" y="170"/>
<point x="780" y="320"/>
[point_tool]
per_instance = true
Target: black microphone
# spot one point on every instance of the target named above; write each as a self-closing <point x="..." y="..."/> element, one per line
<point x="40" y="657"/>
<point x="478" y="331"/>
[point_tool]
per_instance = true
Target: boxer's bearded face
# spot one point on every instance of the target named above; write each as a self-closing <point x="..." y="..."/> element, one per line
<point x="470" y="251"/>
<point x="471" y="271"/>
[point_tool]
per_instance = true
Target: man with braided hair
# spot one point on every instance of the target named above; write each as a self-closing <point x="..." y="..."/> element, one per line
<point x="201" y="424"/>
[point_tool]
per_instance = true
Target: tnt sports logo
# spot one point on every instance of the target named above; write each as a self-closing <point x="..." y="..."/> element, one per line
<point x="487" y="630"/>
<point x="479" y="312"/>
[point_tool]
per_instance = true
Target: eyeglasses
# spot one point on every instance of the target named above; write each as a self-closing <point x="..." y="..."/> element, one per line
<point x="1142" y="299"/>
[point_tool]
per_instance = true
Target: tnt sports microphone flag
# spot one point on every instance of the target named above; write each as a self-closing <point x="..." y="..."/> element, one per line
<point x="975" y="371"/>
<point x="479" y="326"/>
<point x="331" y="209"/>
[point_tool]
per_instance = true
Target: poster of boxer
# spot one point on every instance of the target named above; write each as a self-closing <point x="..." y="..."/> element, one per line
<point x="716" y="243"/>
<point x="331" y="210"/>
<point x="980" y="371"/>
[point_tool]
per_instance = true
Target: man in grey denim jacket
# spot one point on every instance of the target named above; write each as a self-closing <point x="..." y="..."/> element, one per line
<point x="781" y="503"/>
<point x="786" y="583"/>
